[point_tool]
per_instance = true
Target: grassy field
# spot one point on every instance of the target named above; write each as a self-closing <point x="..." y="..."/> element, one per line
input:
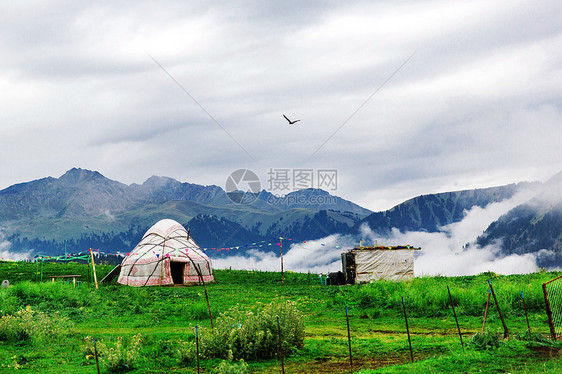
<point x="49" y="327"/>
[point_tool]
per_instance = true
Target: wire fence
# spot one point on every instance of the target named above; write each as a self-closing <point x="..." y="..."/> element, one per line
<point x="553" y="301"/>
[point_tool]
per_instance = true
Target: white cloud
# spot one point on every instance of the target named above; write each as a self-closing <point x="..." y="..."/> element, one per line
<point x="11" y="256"/>
<point x="443" y="253"/>
<point x="316" y="256"/>
<point x="479" y="102"/>
<point x="6" y="255"/>
<point x="453" y="251"/>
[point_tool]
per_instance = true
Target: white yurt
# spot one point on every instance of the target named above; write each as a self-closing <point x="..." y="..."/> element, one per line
<point x="166" y="255"/>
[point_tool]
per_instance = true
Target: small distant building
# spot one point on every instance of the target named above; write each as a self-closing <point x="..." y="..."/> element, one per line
<point x="367" y="264"/>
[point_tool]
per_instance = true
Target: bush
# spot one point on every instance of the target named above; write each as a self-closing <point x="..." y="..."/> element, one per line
<point x="187" y="354"/>
<point x="9" y="304"/>
<point x="537" y="340"/>
<point x="487" y="340"/>
<point x="231" y="367"/>
<point x="37" y="327"/>
<point x="251" y="336"/>
<point x="117" y="357"/>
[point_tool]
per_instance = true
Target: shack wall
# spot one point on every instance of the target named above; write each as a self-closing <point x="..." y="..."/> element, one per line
<point x="373" y="265"/>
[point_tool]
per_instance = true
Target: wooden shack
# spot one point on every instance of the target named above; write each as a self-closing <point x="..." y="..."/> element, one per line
<point x="367" y="264"/>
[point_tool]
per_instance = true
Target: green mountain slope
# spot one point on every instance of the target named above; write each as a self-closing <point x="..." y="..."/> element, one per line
<point x="85" y="209"/>
<point x="430" y="212"/>
<point x="533" y="226"/>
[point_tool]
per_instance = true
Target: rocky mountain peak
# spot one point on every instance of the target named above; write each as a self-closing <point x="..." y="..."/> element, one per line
<point x="76" y="176"/>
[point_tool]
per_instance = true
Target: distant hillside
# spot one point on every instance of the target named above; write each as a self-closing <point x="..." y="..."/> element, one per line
<point x="430" y="212"/>
<point x="532" y="226"/>
<point x="313" y="198"/>
<point x="85" y="209"/>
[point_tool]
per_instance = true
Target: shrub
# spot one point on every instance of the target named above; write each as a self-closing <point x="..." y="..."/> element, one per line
<point x="231" y="367"/>
<point x="487" y="340"/>
<point x="250" y="336"/>
<point x="117" y="357"/>
<point x="38" y="327"/>
<point x="187" y="354"/>
<point x="9" y="304"/>
<point x="537" y="340"/>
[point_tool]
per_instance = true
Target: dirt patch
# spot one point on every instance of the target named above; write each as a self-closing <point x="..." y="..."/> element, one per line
<point x="543" y="351"/>
<point x="330" y="365"/>
<point x="424" y="333"/>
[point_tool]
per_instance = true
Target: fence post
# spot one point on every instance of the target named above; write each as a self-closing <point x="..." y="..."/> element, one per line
<point x="349" y="339"/>
<point x="206" y="296"/>
<point x="505" y="331"/>
<point x="486" y="310"/>
<point x="548" y="312"/>
<point x="197" y="345"/>
<point x="94" y="268"/>
<point x="280" y="346"/>
<point x="282" y="274"/>
<point x="526" y="316"/>
<point x="407" y="329"/>
<point x="455" y="314"/>
<point x="96" y="354"/>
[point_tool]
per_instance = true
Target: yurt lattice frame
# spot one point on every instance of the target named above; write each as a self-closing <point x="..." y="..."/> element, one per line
<point x="166" y="255"/>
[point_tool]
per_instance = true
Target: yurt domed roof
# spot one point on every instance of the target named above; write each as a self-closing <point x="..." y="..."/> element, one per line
<point x="154" y="261"/>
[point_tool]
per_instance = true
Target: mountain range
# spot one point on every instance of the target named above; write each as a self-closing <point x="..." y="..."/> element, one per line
<point x="83" y="209"/>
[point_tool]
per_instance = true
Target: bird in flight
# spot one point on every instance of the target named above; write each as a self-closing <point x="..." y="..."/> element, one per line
<point x="291" y="122"/>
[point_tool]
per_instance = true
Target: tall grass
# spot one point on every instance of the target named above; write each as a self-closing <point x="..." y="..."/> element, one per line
<point x="30" y="271"/>
<point x="429" y="297"/>
<point x="166" y="317"/>
<point x="37" y="327"/>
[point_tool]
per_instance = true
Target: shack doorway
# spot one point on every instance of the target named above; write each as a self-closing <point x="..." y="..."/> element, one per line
<point x="176" y="268"/>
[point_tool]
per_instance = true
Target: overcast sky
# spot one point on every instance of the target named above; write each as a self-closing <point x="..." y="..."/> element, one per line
<point x="401" y="98"/>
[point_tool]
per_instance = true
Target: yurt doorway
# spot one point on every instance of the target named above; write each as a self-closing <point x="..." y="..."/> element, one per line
<point x="176" y="268"/>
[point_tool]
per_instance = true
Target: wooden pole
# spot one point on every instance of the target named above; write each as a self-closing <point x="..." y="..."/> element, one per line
<point x="548" y="312"/>
<point x="197" y="345"/>
<point x="206" y="297"/>
<point x="486" y="310"/>
<point x="407" y="329"/>
<point x="161" y="263"/>
<point x="505" y="331"/>
<point x="526" y="316"/>
<point x="455" y="314"/>
<point x="282" y="275"/>
<point x="96" y="354"/>
<point x="280" y="346"/>
<point x="94" y="268"/>
<point x="349" y="339"/>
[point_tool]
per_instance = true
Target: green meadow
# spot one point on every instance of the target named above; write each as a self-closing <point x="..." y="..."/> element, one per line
<point x="49" y="327"/>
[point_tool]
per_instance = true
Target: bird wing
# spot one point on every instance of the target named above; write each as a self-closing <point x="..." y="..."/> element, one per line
<point x="287" y="118"/>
